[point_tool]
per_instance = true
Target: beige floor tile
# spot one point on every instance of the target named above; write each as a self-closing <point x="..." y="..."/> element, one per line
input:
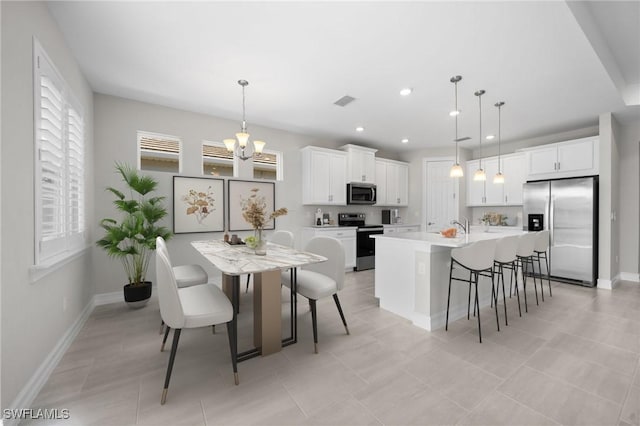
<point x="458" y="380"/>
<point x="562" y="402"/>
<point x="346" y="412"/>
<point x="588" y="376"/>
<point x="389" y="390"/>
<point x="619" y="360"/>
<point x="631" y="409"/>
<point x="498" y="409"/>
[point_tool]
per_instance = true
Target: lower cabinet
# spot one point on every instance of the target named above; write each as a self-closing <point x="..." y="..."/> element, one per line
<point x="346" y="235"/>
<point x="398" y="229"/>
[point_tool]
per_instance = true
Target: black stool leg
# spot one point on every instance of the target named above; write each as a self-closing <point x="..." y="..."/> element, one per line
<point x="172" y="358"/>
<point x="540" y="275"/>
<point x="477" y="305"/>
<point x="546" y="261"/>
<point x="344" y="321"/>
<point x="524" y="284"/>
<point x="314" y="323"/>
<point x="233" y="347"/>
<point x="161" y="326"/>
<point x="164" y="340"/>
<point x="469" y="300"/>
<point x="514" y="272"/>
<point x="446" y="323"/>
<point x="504" y="297"/>
<point x="495" y="300"/>
<point x="247" y="289"/>
<point x="533" y="275"/>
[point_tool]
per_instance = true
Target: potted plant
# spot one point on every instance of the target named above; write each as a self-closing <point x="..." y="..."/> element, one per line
<point x="132" y="239"/>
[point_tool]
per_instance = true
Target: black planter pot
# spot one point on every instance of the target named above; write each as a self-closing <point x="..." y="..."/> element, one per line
<point x="137" y="296"/>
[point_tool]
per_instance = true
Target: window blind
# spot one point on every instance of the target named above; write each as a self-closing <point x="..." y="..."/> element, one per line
<point x="60" y="165"/>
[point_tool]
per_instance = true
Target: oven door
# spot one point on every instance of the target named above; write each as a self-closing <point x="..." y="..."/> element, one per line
<point x="366" y="248"/>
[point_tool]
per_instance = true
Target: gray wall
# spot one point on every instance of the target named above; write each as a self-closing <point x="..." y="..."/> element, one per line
<point x="629" y="210"/>
<point x="33" y="319"/>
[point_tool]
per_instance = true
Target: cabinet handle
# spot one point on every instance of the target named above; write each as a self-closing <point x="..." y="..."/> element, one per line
<point x="506" y="198"/>
<point x="339" y="233"/>
<point x="555" y="166"/>
<point x="398" y="201"/>
<point x="364" y="178"/>
<point x="558" y="165"/>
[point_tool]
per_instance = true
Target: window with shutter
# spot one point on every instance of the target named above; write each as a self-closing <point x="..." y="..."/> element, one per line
<point x="216" y="160"/>
<point x="60" y="228"/>
<point x="268" y="165"/>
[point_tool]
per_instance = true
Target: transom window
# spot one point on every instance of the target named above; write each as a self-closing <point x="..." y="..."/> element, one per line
<point x="159" y="153"/>
<point x="216" y="160"/>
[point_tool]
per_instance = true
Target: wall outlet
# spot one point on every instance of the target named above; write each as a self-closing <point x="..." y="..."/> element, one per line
<point x="64" y="303"/>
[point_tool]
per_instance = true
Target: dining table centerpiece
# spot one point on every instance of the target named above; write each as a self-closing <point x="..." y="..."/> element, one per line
<point x="254" y="212"/>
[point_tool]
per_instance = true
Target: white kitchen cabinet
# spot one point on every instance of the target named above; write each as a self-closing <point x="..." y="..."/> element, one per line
<point x="392" y="181"/>
<point x="487" y="193"/>
<point x="515" y="175"/>
<point x="324" y="176"/>
<point x="361" y="164"/>
<point x="475" y="189"/>
<point x="346" y="235"/>
<point x="574" y="158"/>
<point x="399" y="229"/>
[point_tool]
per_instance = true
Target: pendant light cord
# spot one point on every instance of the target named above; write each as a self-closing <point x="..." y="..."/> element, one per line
<point x="456" y="102"/>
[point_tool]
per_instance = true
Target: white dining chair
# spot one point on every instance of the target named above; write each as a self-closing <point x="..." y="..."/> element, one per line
<point x="321" y="280"/>
<point x="186" y="275"/>
<point x="283" y="238"/>
<point x="191" y="307"/>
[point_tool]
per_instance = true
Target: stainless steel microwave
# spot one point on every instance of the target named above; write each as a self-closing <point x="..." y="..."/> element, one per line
<point x="361" y="193"/>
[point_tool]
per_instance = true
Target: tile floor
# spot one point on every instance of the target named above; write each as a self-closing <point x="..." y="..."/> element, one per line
<point x="572" y="360"/>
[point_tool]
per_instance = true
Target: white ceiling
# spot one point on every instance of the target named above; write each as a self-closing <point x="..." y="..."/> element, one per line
<point x="301" y="57"/>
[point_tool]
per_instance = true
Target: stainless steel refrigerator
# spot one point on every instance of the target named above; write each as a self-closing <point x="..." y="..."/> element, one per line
<point x="568" y="208"/>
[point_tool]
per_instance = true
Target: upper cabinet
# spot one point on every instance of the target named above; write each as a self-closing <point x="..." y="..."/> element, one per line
<point x="487" y="193"/>
<point x="361" y="164"/>
<point x="324" y="176"/>
<point x="392" y="182"/>
<point x="574" y="158"/>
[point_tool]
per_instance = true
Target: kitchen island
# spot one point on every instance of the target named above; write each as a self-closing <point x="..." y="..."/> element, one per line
<point x="412" y="276"/>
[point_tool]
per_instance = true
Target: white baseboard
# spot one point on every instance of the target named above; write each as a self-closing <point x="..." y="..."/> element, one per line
<point x="108" y="298"/>
<point x="607" y="284"/>
<point x="28" y="394"/>
<point x="438" y="320"/>
<point x="630" y="276"/>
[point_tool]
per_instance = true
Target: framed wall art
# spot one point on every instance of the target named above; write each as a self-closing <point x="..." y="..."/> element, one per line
<point x="239" y="190"/>
<point x="198" y="204"/>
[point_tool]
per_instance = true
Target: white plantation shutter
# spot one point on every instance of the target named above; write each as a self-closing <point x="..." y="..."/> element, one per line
<point x="60" y="168"/>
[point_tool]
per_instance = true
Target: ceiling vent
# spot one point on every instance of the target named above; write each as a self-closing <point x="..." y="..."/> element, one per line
<point x="344" y="101"/>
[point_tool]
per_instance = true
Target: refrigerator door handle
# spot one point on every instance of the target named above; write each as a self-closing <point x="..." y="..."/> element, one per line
<point x="551" y="220"/>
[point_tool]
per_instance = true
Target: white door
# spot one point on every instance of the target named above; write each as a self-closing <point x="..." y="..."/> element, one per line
<point x="442" y="197"/>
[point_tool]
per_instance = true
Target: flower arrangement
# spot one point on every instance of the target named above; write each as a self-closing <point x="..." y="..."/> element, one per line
<point x="200" y="204"/>
<point x="254" y="210"/>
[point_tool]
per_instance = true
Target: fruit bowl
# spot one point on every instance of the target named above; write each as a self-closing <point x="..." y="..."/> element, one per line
<point x="449" y="232"/>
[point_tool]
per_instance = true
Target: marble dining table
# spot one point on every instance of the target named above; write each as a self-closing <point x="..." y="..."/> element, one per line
<point x="236" y="260"/>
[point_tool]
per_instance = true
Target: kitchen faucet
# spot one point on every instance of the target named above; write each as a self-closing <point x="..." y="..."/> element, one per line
<point x="465" y="227"/>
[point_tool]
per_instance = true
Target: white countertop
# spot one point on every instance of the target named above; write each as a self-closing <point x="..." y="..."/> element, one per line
<point x="406" y="225"/>
<point x="346" y="228"/>
<point x="436" y="239"/>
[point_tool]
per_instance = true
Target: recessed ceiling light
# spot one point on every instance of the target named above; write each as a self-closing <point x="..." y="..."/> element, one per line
<point x="359" y="129"/>
<point x="489" y="137"/>
<point x="405" y="140"/>
<point x="406" y="91"/>
<point x="454" y="113"/>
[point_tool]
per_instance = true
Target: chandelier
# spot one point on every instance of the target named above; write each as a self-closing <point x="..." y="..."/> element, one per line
<point x="239" y="149"/>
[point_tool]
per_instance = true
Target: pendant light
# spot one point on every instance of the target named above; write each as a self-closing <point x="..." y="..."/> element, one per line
<point x="238" y="149"/>
<point x="456" y="170"/>
<point x="480" y="175"/>
<point x="499" y="177"/>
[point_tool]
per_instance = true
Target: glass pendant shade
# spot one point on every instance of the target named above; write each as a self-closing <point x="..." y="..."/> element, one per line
<point x="479" y="175"/>
<point x="230" y="144"/>
<point x="498" y="178"/>
<point x="243" y="138"/>
<point x="258" y="146"/>
<point x="456" y="171"/>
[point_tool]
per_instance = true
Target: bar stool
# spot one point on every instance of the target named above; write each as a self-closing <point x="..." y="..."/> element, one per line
<point x="540" y="249"/>
<point x="505" y="257"/>
<point x="526" y="244"/>
<point x="476" y="258"/>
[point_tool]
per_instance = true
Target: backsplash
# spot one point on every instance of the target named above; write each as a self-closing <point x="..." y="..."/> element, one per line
<point x="512" y="216"/>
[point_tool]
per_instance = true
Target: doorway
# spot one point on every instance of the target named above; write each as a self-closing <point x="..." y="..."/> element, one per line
<point x="440" y="194"/>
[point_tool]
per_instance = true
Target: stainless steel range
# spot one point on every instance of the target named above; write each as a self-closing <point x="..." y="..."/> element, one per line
<point x="365" y="245"/>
